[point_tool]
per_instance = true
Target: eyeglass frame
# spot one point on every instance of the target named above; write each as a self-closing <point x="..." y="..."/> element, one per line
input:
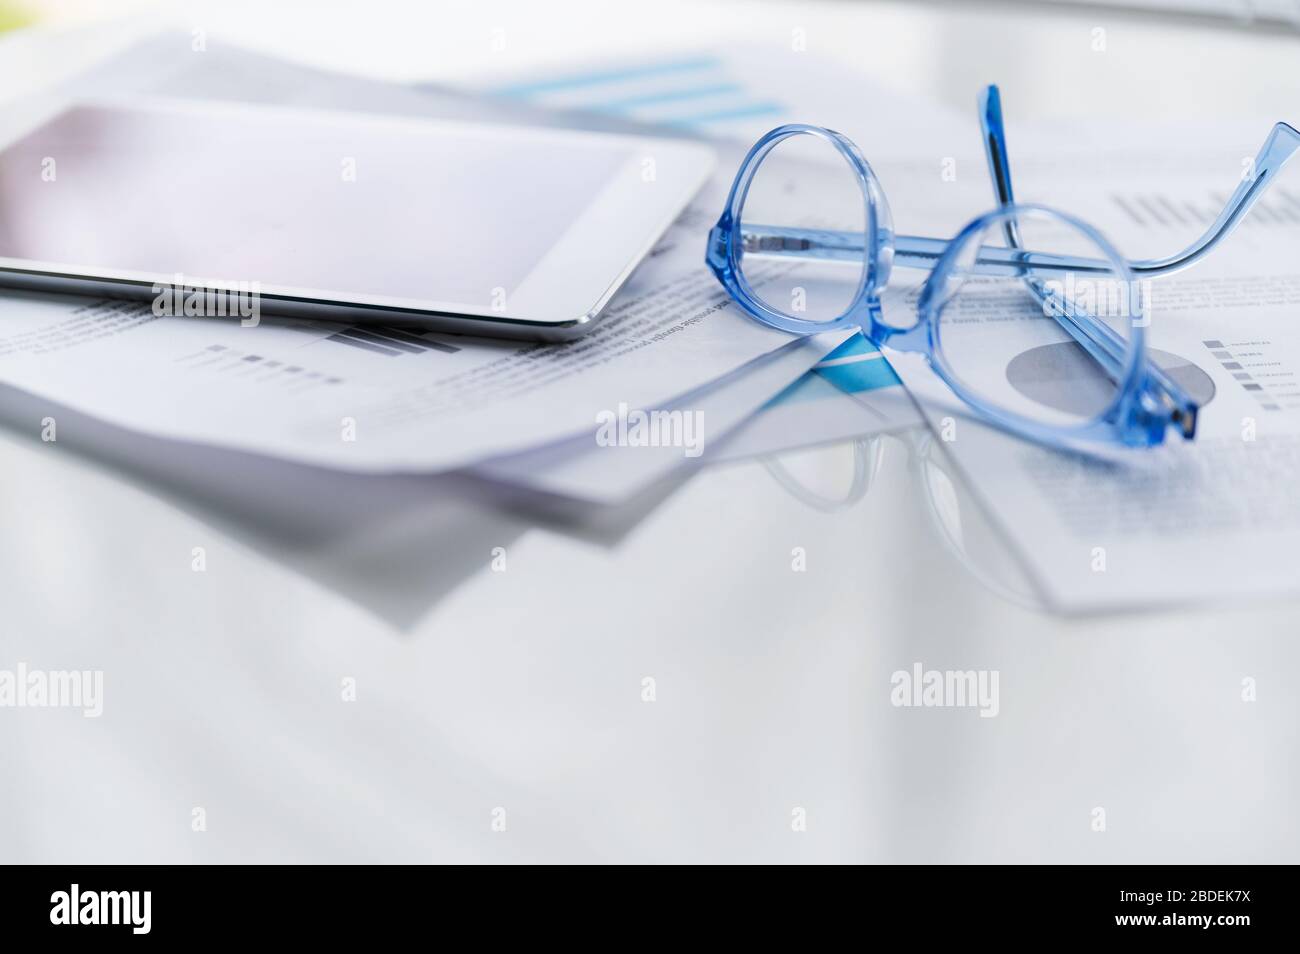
<point x="1147" y="401"/>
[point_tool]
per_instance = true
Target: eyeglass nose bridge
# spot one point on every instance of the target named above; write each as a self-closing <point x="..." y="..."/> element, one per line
<point x="917" y="337"/>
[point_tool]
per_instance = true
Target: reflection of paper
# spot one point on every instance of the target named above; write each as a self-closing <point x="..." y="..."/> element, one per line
<point x="297" y="390"/>
<point x="393" y="544"/>
<point x="852" y="393"/>
<point x="1207" y="520"/>
<point x="610" y="473"/>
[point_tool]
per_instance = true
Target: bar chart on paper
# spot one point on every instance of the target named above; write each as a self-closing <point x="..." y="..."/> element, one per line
<point x="1260" y="367"/>
<point x="286" y="356"/>
<point x="701" y="93"/>
<point x="293" y="376"/>
<point x="1154" y="209"/>
<point x="391" y="342"/>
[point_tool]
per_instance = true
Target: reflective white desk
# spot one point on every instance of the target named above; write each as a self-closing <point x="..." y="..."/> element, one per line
<point x="517" y="699"/>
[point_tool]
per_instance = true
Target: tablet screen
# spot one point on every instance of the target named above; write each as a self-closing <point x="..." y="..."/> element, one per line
<point x="350" y="207"/>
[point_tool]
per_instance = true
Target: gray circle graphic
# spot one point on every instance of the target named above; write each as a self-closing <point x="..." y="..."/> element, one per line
<point x="1061" y="376"/>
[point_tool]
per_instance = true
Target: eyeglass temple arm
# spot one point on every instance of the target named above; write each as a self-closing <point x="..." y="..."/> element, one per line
<point x="915" y="251"/>
<point x="995" y="149"/>
<point x="1098" y="338"/>
<point x="1281" y="144"/>
<point x="910" y="251"/>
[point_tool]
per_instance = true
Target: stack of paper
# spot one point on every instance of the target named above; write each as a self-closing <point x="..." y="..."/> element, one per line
<point x="515" y="412"/>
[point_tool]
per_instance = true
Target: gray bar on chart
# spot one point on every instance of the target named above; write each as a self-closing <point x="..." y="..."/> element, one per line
<point x="343" y="339"/>
<point x="381" y="340"/>
<point x="1171" y="209"/>
<point x="1151" y="209"/>
<point x="396" y="334"/>
<point x="1264" y="213"/>
<point x="442" y="346"/>
<point x="1287" y="194"/>
<point x="1283" y="209"/>
<point x="1128" y="209"/>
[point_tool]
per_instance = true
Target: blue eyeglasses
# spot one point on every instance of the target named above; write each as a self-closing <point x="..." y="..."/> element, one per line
<point x="1029" y="314"/>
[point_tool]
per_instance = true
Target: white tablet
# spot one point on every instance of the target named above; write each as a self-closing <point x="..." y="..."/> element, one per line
<point x="478" y="229"/>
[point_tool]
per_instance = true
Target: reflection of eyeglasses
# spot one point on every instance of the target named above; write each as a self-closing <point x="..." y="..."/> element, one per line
<point x="961" y="525"/>
<point x="806" y="246"/>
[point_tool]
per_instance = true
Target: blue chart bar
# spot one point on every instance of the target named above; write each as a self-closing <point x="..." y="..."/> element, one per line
<point x="598" y="78"/>
<point x="861" y="376"/>
<point x="693" y="93"/>
<point x="854" y="367"/>
<point x="857" y="365"/>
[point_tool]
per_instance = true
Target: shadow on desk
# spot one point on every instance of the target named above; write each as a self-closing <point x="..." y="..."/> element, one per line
<point x="396" y="545"/>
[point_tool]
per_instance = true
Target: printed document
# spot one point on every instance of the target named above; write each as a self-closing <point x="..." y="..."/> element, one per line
<point x="1209" y="519"/>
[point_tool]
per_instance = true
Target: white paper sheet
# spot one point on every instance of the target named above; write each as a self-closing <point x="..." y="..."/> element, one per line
<point x="1208" y="520"/>
<point x="591" y="467"/>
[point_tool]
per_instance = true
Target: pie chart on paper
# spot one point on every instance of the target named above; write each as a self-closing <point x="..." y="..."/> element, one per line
<point x="1062" y="377"/>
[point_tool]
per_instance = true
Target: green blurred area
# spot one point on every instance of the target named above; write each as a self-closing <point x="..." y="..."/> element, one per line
<point x="14" y="15"/>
